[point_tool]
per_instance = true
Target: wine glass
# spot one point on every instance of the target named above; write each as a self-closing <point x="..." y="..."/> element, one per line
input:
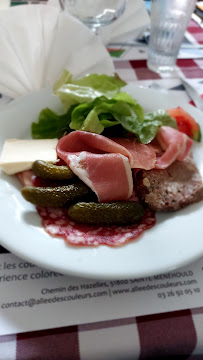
<point x="95" y="13"/>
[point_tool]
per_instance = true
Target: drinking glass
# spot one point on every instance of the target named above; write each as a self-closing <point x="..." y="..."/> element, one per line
<point x="95" y="13"/>
<point x="169" y="20"/>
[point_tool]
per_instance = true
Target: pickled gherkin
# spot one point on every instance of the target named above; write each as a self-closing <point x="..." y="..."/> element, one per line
<point x="60" y="196"/>
<point x="117" y="213"/>
<point x="50" y="171"/>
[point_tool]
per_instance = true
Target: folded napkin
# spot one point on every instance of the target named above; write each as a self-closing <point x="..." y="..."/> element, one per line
<point x="4" y="4"/>
<point x="38" y="42"/>
<point x="130" y="25"/>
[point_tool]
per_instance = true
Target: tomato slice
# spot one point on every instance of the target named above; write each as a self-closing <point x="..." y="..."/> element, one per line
<point x="186" y="123"/>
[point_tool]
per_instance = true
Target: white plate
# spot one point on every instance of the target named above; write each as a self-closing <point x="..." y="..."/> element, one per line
<point x="176" y="239"/>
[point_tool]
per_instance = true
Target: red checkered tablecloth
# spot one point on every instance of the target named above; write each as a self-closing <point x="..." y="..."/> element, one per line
<point x="174" y="335"/>
<point x="136" y="70"/>
<point x="171" y="335"/>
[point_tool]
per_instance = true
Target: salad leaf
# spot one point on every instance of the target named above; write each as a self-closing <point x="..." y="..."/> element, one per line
<point x="51" y="125"/>
<point x="79" y="115"/>
<point x="105" y="113"/>
<point x="108" y="85"/>
<point x="95" y="103"/>
<point x="147" y="130"/>
<point x="92" y="123"/>
<point x="151" y="124"/>
<point x="87" y="88"/>
<point x="65" y="78"/>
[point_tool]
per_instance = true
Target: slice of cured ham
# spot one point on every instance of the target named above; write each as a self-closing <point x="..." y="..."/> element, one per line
<point x="98" y="162"/>
<point x="103" y="164"/>
<point x="108" y="175"/>
<point x="175" y="144"/>
<point x="141" y="156"/>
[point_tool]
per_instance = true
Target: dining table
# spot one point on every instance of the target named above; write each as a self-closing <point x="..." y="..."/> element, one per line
<point x="176" y="333"/>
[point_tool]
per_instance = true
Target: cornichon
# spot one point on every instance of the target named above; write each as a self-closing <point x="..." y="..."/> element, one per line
<point x="117" y="213"/>
<point x="60" y="196"/>
<point x="50" y="171"/>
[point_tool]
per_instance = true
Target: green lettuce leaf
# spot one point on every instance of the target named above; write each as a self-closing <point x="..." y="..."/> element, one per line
<point x="95" y="103"/>
<point x="151" y="124"/>
<point x="51" y="125"/>
<point x="92" y="123"/>
<point x="106" y="113"/>
<point x="65" y="78"/>
<point x="87" y="88"/>
<point x="147" y="130"/>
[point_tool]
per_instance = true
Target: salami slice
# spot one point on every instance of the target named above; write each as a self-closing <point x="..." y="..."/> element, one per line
<point x="57" y="223"/>
<point x="26" y="177"/>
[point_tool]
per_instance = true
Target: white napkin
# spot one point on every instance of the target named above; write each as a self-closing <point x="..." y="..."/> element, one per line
<point x="4" y="4"/>
<point x="38" y="42"/>
<point x="130" y="25"/>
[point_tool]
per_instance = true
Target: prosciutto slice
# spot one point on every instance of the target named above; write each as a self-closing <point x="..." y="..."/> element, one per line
<point x="141" y="156"/>
<point x="105" y="164"/>
<point x="175" y="144"/>
<point x="99" y="162"/>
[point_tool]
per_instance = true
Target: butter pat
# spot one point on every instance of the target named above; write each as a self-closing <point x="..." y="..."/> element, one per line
<point x="19" y="155"/>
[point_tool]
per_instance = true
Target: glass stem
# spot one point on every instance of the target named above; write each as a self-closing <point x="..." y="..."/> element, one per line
<point x="94" y="29"/>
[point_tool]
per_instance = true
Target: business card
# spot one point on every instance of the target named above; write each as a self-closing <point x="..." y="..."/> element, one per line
<point x="33" y="298"/>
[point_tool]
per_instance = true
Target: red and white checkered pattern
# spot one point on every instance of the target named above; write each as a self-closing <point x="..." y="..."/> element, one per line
<point x="161" y="336"/>
<point x="196" y="31"/>
<point x="136" y="70"/>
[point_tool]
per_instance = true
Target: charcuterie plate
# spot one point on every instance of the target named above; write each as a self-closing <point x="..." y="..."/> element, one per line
<point x="175" y="240"/>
